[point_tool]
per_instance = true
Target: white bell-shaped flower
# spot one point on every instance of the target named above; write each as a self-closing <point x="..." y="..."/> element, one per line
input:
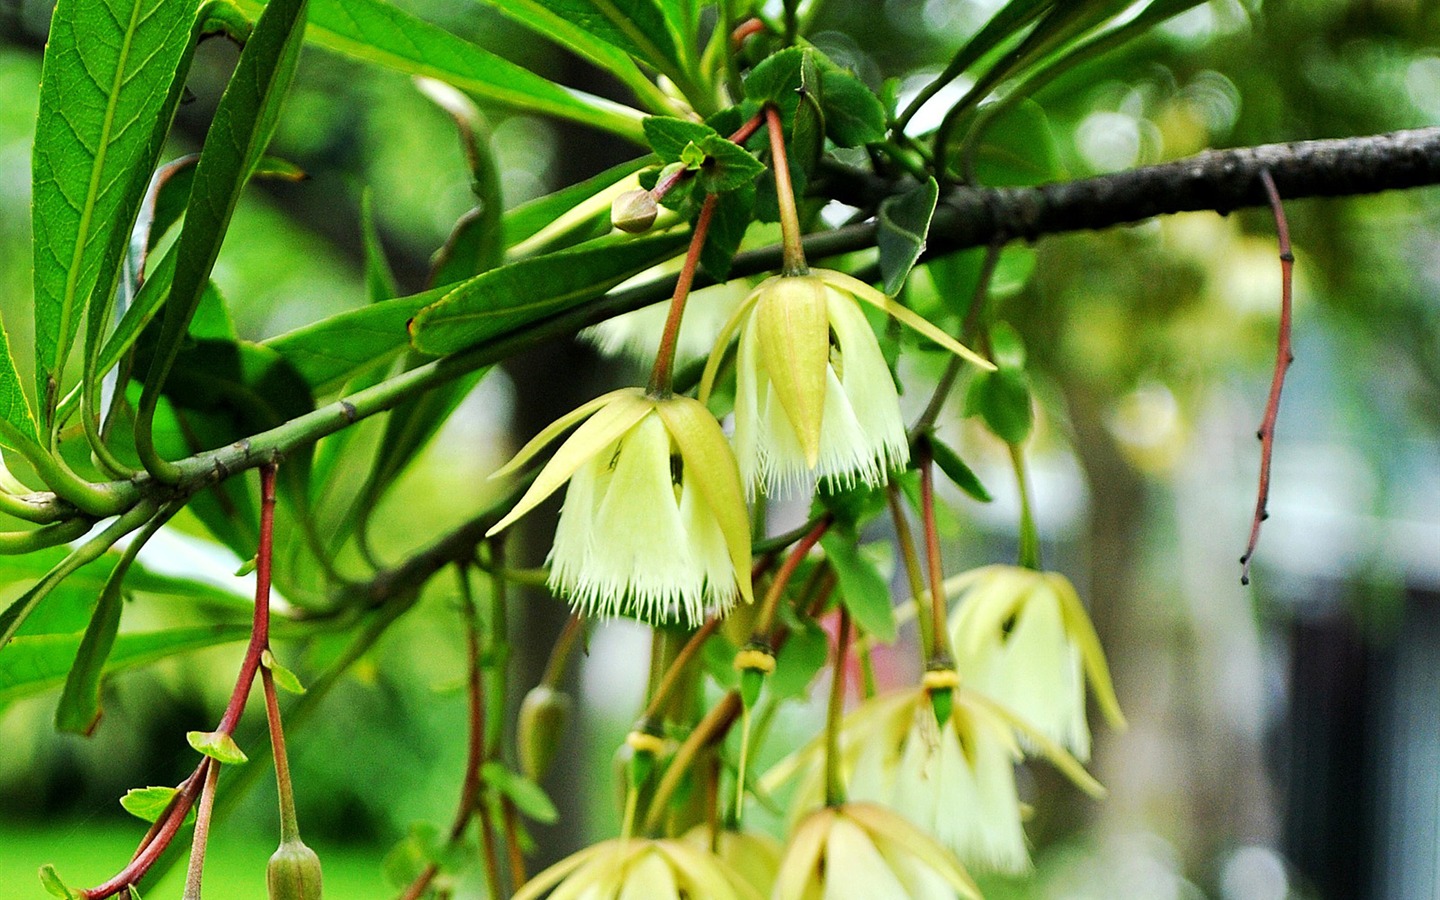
<point x="654" y="523"/>
<point x="814" y="399"/>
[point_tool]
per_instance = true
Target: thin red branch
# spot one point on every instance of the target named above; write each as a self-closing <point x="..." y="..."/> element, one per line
<point x="1284" y="356"/>
<point x="663" y="373"/>
<point x="158" y="838"/>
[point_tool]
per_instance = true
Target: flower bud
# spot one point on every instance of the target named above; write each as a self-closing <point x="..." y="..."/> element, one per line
<point x="293" y="872"/>
<point x="543" y="716"/>
<point x="633" y="211"/>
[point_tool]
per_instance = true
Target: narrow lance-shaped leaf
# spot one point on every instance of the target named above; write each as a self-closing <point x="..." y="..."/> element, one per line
<point x="34" y="664"/>
<point x="105" y="94"/>
<point x="523" y="292"/>
<point x="243" y="123"/>
<point x="574" y="37"/>
<point x="636" y="26"/>
<point x="387" y="35"/>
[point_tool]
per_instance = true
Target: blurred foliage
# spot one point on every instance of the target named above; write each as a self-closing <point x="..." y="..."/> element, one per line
<point x="1147" y="328"/>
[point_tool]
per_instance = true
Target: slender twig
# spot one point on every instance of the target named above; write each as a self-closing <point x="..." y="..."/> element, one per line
<point x="939" y="653"/>
<point x="1284" y="356"/>
<point x="834" y="781"/>
<point x="158" y="838"/>
<point x="201" y="838"/>
<point x="710" y="730"/>
<point x="676" y="669"/>
<point x="663" y="374"/>
<point x="782" y="577"/>
<point x="906" y="541"/>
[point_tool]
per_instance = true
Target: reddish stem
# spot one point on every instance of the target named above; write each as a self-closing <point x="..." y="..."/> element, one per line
<point x="1284" y="356"/>
<point x="664" y="371"/>
<point x="782" y="577"/>
<point x="158" y="838"/>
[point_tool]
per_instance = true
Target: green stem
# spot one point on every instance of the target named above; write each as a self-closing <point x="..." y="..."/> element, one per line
<point x="560" y="653"/>
<point x="1029" y="534"/>
<point x="202" y="832"/>
<point x="675" y="670"/>
<point x="663" y="374"/>
<point x="906" y="541"/>
<point x="98" y="500"/>
<point x="972" y="323"/>
<point x="834" y="781"/>
<point x="710" y="730"/>
<point x="289" y="824"/>
<point x="790" y="234"/>
<point x="939" y="652"/>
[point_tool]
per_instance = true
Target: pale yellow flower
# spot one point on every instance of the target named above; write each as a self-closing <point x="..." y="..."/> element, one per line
<point x="956" y="783"/>
<point x="639" y="869"/>
<point x="1023" y="638"/>
<point x="752" y="855"/>
<point x="861" y="851"/>
<point x="654" y="523"/>
<point x="814" y="398"/>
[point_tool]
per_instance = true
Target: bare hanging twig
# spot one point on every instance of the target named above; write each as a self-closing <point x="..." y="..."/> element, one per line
<point x="1283" y="358"/>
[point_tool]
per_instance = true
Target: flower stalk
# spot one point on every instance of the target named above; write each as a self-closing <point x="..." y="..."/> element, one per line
<point x="794" y="251"/>
<point x="662" y="375"/>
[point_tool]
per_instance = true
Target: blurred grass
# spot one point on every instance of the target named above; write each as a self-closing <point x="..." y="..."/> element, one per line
<point x="87" y="853"/>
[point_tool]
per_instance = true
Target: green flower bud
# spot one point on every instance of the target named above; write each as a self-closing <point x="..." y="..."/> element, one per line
<point x="293" y="872"/>
<point x="543" y="716"/>
<point x="634" y="211"/>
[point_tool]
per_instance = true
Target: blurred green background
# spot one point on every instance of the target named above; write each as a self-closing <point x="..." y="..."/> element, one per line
<point x="1284" y="739"/>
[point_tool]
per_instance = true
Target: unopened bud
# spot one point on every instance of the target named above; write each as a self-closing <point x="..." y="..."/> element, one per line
<point x="543" y="716"/>
<point x="633" y="211"/>
<point x="293" y="872"/>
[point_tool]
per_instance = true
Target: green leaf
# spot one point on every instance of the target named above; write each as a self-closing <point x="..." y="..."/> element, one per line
<point x="1019" y="149"/>
<point x="955" y="469"/>
<point x="478" y="243"/>
<point x="777" y="79"/>
<point x="669" y="136"/>
<point x="527" y="796"/>
<point x="514" y="296"/>
<point x="54" y="886"/>
<point x="14" y="407"/>
<point x="34" y="664"/>
<point x="244" y="121"/>
<point x="332" y="351"/>
<point x="798" y="661"/>
<point x="727" y="166"/>
<point x="106" y="99"/>
<point x="79" y="708"/>
<point x="1002" y="399"/>
<point x="854" y="116"/>
<point x="149" y="804"/>
<point x="728" y="224"/>
<point x="386" y="35"/>
<point x="284" y="678"/>
<point x="529" y="219"/>
<point x="379" y="278"/>
<point x="862" y="588"/>
<point x="636" y="26"/>
<point x="217" y="745"/>
<point x="574" y="37"/>
<point x="903" y="226"/>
